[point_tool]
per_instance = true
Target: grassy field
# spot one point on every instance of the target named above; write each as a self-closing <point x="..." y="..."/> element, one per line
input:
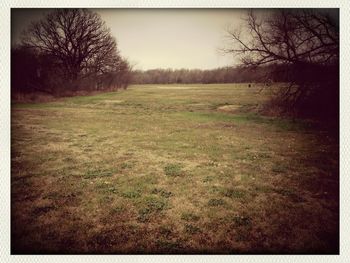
<point x="170" y="169"/>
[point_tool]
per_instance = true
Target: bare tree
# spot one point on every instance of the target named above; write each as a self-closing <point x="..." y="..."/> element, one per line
<point x="301" y="43"/>
<point x="77" y="39"/>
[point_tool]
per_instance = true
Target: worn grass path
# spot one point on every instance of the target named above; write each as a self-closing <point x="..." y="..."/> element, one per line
<point x="170" y="169"/>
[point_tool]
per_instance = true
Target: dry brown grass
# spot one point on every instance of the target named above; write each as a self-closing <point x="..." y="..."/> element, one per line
<point x="162" y="170"/>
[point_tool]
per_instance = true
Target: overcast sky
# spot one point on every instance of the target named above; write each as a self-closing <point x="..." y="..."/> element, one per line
<point x="159" y="38"/>
<point x="163" y="38"/>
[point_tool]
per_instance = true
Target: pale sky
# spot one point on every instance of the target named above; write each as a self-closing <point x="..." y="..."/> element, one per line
<point x="159" y="38"/>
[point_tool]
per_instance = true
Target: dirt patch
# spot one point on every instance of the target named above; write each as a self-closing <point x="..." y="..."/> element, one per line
<point x="112" y="101"/>
<point x="173" y="87"/>
<point x="229" y="108"/>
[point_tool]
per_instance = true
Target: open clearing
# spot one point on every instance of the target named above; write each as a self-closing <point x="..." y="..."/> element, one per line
<point x="159" y="170"/>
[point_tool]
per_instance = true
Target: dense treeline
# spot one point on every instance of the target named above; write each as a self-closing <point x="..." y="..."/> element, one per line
<point x="67" y="51"/>
<point x="187" y="76"/>
<point x="33" y="72"/>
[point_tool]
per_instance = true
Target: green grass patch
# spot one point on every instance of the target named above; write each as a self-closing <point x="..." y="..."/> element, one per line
<point x="155" y="204"/>
<point x="150" y="206"/>
<point x="173" y="169"/>
<point x="216" y="202"/>
<point x="144" y="214"/>
<point x="191" y="229"/>
<point x="188" y="216"/>
<point x="161" y="192"/>
<point x="234" y="193"/>
<point x="96" y="173"/>
<point x="118" y="209"/>
<point x="132" y="194"/>
<point x="106" y="188"/>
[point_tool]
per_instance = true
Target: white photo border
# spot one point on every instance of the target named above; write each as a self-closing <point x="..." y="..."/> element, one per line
<point x="5" y="133"/>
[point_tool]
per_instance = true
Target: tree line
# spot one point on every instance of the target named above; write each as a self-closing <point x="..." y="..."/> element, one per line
<point x="188" y="76"/>
<point x="66" y="51"/>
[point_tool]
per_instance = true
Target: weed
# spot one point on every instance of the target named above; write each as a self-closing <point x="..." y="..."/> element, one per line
<point x="162" y="192"/>
<point x="215" y="189"/>
<point x="155" y="204"/>
<point x="105" y="199"/>
<point x="173" y="170"/>
<point x="234" y="193"/>
<point x="208" y="179"/>
<point x="188" y="216"/>
<point x="144" y="214"/>
<point x="131" y="194"/>
<point x="106" y="187"/>
<point x="117" y="209"/>
<point x="264" y="155"/>
<point x="111" y="190"/>
<point x="191" y="229"/>
<point x="151" y="205"/>
<point x="126" y="166"/>
<point x="216" y="202"/>
<point x="261" y="188"/>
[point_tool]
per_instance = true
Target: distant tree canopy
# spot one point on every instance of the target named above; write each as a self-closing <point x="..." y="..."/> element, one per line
<point x="303" y="44"/>
<point x="187" y="76"/>
<point x="73" y="47"/>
